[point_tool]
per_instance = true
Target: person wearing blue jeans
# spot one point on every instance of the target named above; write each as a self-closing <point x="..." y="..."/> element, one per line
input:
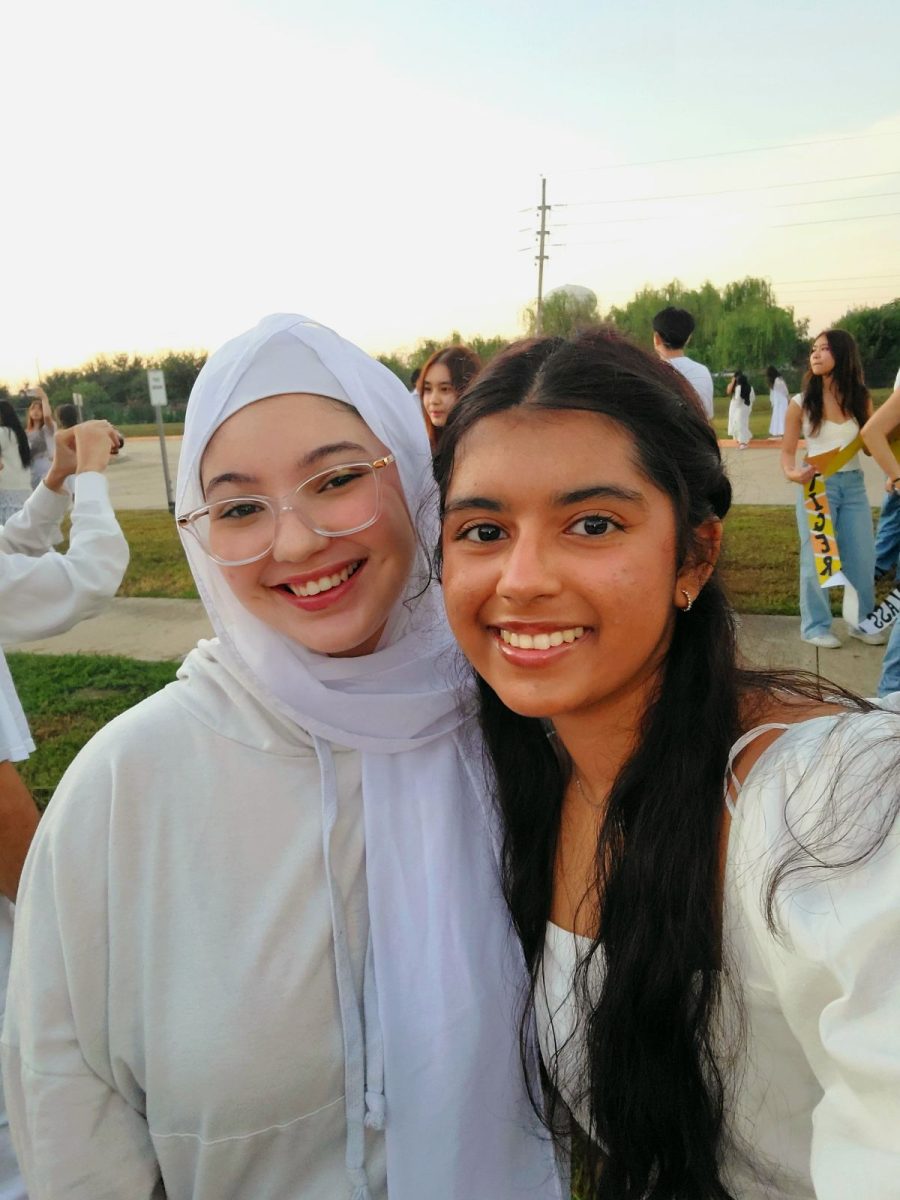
<point x="852" y="518"/>
<point x="887" y="536"/>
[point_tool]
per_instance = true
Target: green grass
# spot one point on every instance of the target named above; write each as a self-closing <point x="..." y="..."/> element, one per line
<point x="148" y="429"/>
<point x="68" y="697"/>
<point x="158" y="566"/>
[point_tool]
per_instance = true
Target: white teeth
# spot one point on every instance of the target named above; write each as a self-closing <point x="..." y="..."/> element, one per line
<point x="541" y="641"/>
<point x="315" y="586"/>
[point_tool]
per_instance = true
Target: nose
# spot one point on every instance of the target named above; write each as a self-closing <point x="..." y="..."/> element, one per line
<point x="295" y="541"/>
<point x="527" y="573"/>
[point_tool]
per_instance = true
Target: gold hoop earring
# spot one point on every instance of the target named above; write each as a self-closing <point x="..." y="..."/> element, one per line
<point x="690" y="600"/>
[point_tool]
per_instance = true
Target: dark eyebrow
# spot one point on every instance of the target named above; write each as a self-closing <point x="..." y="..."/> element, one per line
<point x="308" y="460"/>
<point x="600" y="491"/>
<point x="561" y="499"/>
<point x="472" y="502"/>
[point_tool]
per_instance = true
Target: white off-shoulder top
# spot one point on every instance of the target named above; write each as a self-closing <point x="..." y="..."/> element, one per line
<point x="815" y="1107"/>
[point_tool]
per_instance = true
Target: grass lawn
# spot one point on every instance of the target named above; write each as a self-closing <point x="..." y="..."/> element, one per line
<point x="68" y="697"/>
<point x="148" y="429"/>
<point x="158" y="566"/>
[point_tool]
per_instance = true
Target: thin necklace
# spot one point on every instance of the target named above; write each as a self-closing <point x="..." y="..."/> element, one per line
<point x="581" y="788"/>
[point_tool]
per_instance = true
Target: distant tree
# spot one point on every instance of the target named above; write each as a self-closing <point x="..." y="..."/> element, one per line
<point x="488" y="347"/>
<point x="741" y="325"/>
<point x="877" y="333"/>
<point x="395" y="363"/>
<point x="563" y="313"/>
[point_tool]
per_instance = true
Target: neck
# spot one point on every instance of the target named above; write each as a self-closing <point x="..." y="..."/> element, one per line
<point x="665" y="352"/>
<point x="600" y="740"/>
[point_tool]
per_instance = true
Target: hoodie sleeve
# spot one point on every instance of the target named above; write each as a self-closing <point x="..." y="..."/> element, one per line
<point x="48" y="594"/>
<point x="76" y="1115"/>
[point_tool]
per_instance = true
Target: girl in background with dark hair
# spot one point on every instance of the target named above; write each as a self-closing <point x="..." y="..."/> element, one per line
<point x="15" y="457"/>
<point x="834" y="406"/>
<point x="441" y="382"/>
<point x="702" y="861"/>
<point x="742" y="397"/>
<point x="779" y="398"/>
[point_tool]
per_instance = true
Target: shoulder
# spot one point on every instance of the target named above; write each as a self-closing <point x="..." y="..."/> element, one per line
<point x="825" y="788"/>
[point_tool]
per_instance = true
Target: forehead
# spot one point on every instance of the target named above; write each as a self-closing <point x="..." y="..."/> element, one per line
<point x="439" y="373"/>
<point x="283" y="428"/>
<point x="526" y="449"/>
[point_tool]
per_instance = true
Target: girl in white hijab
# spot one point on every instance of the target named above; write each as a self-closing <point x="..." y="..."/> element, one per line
<point x="259" y="923"/>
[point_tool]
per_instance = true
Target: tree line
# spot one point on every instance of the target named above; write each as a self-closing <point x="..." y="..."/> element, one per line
<point x="738" y="326"/>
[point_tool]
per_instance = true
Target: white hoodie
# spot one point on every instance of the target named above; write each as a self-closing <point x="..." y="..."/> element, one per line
<point x="177" y="891"/>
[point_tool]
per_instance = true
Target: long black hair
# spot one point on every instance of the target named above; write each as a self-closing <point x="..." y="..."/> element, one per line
<point x="848" y="382"/>
<point x="655" y="1089"/>
<point x="10" y="419"/>
<point x="742" y="386"/>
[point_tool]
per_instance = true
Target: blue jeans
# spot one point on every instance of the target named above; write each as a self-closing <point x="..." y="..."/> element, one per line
<point x="890" y="667"/>
<point x="852" y="519"/>
<point x="887" y="535"/>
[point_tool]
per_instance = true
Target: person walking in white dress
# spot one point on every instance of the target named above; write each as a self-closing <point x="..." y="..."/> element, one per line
<point x="742" y="398"/>
<point x="779" y="398"/>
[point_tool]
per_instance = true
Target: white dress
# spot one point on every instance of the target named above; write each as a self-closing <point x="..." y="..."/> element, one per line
<point x="817" y="1108"/>
<point x="779" y="399"/>
<point x="739" y="417"/>
<point x="15" y="480"/>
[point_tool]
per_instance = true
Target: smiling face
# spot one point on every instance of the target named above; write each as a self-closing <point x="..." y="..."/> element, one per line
<point x="560" y="575"/>
<point x="330" y="594"/>
<point x="438" y="394"/>
<point x="821" y="360"/>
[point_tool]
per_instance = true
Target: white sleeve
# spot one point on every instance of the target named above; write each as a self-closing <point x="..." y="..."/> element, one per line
<point x="49" y="594"/>
<point x="837" y="974"/>
<point x="31" y="529"/>
<point x="76" y="1115"/>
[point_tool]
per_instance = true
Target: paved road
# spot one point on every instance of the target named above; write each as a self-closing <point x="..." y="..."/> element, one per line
<point x="136" y="480"/>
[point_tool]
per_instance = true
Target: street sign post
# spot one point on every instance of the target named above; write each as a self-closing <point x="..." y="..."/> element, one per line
<point x="156" y="382"/>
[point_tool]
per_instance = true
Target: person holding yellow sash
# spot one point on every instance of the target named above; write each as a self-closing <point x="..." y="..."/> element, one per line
<point x="834" y="406"/>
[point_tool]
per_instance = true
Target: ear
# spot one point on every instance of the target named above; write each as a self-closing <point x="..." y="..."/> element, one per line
<point x="700" y="565"/>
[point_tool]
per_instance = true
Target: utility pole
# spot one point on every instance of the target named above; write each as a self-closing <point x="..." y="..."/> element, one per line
<point x="541" y="257"/>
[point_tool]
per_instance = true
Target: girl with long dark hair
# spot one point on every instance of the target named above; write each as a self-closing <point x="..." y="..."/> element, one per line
<point x="834" y="406"/>
<point x="739" y="410"/>
<point x="15" y="457"/>
<point x="702" y="861"/>
<point x="440" y="384"/>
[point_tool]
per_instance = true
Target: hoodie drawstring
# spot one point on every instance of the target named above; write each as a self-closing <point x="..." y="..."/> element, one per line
<point x="374" y="1046"/>
<point x="355" y="1097"/>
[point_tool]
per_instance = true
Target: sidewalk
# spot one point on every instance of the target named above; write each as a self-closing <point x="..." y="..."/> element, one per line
<point x="167" y="629"/>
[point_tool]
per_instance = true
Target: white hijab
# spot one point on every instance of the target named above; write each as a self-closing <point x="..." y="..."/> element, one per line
<point x="443" y="971"/>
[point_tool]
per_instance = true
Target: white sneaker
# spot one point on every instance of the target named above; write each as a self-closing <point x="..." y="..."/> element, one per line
<point x="871" y="639"/>
<point x="825" y="641"/>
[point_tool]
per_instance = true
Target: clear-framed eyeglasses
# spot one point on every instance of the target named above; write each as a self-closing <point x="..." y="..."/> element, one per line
<point x="334" y="503"/>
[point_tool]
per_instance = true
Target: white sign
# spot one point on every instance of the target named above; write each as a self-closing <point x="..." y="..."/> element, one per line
<point x="79" y="402"/>
<point x="156" y="381"/>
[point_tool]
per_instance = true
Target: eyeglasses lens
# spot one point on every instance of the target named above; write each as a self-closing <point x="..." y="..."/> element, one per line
<point x="339" y="501"/>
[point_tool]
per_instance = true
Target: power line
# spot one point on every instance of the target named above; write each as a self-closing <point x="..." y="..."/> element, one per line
<point x="833" y="200"/>
<point x="762" y="187"/>
<point x="836" y="278"/>
<point x="656" y="162"/>
<point x="835" y="220"/>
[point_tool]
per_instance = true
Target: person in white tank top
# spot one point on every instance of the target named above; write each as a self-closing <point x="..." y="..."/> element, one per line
<point x="835" y="404"/>
<point x="702" y="861"/>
